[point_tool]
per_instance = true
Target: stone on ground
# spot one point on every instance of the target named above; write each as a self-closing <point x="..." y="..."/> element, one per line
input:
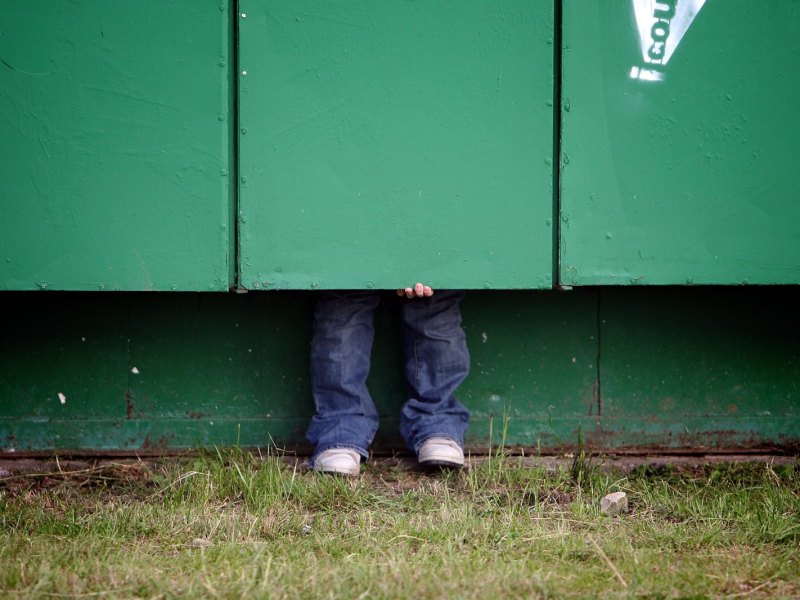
<point x="614" y="504"/>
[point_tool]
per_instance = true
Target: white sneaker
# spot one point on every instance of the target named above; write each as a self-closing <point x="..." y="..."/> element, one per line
<point x="442" y="452"/>
<point x="340" y="461"/>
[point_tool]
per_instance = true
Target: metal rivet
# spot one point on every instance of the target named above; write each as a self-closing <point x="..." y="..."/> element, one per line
<point x="244" y="72"/>
<point x="244" y="15"/>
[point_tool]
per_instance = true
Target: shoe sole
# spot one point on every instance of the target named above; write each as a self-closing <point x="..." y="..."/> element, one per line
<point x="342" y="472"/>
<point x="438" y="462"/>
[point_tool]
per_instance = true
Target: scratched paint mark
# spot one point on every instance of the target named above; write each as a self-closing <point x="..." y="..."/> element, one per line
<point x="13" y="68"/>
<point x="130" y="407"/>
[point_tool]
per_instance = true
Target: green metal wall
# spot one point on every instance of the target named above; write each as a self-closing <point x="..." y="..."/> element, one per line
<point x="383" y="143"/>
<point x="680" y="169"/>
<point x="681" y="368"/>
<point x="379" y="143"/>
<point x="115" y="145"/>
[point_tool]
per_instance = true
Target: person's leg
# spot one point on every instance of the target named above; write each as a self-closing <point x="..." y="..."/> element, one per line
<point x="340" y="358"/>
<point x="436" y="362"/>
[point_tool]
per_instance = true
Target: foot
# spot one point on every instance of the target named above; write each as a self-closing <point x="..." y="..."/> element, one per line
<point x="440" y="452"/>
<point x="338" y="461"/>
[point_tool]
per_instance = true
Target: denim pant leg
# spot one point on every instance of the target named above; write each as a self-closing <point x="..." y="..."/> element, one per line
<point x="340" y="359"/>
<point x="436" y="362"/>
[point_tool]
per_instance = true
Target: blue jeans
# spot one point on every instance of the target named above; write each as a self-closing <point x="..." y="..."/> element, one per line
<point x="436" y="362"/>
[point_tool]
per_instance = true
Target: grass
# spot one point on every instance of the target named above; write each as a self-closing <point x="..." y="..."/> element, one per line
<point x="228" y="524"/>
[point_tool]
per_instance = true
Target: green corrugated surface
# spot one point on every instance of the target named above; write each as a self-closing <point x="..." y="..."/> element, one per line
<point x="691" y="179"/>
<point x="625" y="368"/>
<point x="384" y="143"/>
<point x="115" y="145"/>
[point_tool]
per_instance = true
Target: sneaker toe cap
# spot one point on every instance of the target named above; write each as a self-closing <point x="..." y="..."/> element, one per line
<point x="442" y="452"/>
<point x="339" y="461"/>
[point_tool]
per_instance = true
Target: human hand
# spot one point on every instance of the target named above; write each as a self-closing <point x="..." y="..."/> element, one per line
<point x="418" y="291"/>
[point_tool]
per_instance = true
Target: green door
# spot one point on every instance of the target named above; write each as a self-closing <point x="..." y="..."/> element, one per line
<point x="384" y="142"/>
<point x="680" y="142"/>
<point x="115" y="145"/>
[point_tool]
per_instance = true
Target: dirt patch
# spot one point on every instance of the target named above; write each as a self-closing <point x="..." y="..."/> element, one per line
<point x="30" y="476"/>
<point x="399" y="473"/>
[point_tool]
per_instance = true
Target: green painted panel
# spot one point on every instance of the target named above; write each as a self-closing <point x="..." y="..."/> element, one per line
<point x="242" y="357"/>
<point x="681" y="169"/>
<point x="678" y="371"/>
<point x="55" y="344"/>
<point x="384" y="143"/>
<point x="115" y="149"/>
<point x="534" y="363"/>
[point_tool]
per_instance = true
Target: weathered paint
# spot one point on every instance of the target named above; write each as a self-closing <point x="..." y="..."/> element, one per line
<point x="680" y="168"/>
<point x="115" y="153"/>
<point x="730" y="361"/>
<point x="384" y="142"/>
<point x="687" y="369"/>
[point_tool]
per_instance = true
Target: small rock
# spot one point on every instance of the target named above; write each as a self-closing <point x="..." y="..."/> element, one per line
<point x="306" y="529"/>
<point x="202" y="543"/>
<point x="613" y="504"/>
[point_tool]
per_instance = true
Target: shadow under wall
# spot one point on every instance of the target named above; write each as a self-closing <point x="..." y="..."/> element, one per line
<point x="678" y="369"/>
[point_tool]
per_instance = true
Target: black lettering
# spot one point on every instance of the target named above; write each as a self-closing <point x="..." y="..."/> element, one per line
<point x="667" y="11"/>
<point x="660" y="31"/>
<point x="656" y="51"/>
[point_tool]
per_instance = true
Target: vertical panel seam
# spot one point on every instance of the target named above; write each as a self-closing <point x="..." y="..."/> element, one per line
<point x="556" y="262"/>
<point x="599" y="353"/>
<point x="128" y="396"/>
<point x="237" y="272"/>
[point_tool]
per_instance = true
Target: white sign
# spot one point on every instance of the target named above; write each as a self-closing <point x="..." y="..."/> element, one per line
<point x="662" y="25"/>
